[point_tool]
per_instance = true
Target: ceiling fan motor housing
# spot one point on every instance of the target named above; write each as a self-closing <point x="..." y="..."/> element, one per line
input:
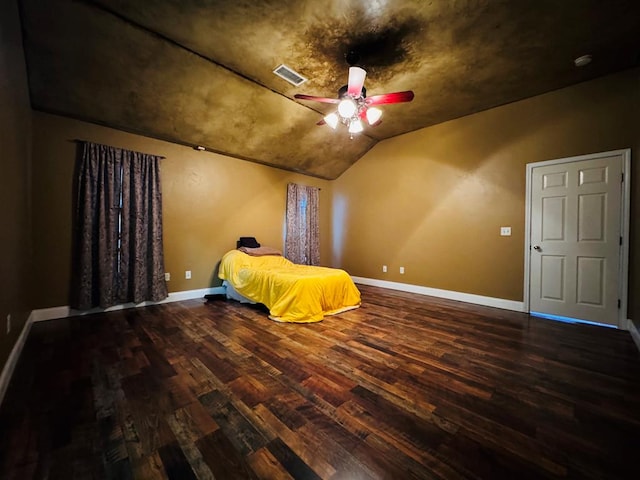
<point x="342" y="93"/>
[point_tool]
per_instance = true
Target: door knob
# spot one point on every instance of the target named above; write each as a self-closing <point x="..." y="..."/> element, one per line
<point x="537" y="248"/>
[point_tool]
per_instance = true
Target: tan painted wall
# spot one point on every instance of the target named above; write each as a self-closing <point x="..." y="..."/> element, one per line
<point x="209" y="200"/>
<point x="15" y="143"/>
<point x="433" y="200"/>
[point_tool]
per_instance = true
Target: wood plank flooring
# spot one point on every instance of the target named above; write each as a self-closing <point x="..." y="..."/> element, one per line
<point x="406" y="387"/>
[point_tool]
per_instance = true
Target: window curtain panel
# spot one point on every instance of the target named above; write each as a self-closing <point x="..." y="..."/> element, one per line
<point x="118" y="252"/>
<point x="302" y="242"/>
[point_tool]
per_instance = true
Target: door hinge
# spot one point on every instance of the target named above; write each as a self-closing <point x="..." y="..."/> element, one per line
<point x="619" y="303"/>
<point x="620" y="240"/>
<point x="622" y="178"/>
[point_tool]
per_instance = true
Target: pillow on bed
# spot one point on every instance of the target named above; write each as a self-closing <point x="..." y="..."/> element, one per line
<point x="260" y="251"/>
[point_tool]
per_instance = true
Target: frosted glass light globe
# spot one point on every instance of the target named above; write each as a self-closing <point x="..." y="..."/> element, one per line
<point x="347" y="108"/>
<point x="355" y="126"/>
<point x="332" y="120"/>
<point x="373" y="115"/>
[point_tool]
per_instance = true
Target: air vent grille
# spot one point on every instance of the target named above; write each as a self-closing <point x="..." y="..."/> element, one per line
<point x="289" y="75"/>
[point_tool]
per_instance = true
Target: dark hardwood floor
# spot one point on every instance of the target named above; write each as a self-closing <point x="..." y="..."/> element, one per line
<point x="405" y="387"/>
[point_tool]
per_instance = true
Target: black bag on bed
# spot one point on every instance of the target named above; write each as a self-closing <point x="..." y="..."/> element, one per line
<point x="249" y="242"/>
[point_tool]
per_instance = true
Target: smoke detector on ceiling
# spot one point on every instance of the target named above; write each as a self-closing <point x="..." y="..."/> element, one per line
<point x="583" y="60"/>
<point x="291" y="76"/>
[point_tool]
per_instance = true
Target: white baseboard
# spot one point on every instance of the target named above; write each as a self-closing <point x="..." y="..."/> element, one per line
<point x="12" y="361"/>
<point x="635" y="334"/>
<point x="66" y="311"/>
<point x="449" y="294"/>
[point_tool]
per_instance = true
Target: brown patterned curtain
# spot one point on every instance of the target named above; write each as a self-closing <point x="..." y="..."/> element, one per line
<point x="302" y="243"/>
<point x="118" y="256"/>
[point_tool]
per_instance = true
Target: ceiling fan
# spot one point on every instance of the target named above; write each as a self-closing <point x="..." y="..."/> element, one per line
<point x="353" y="104"/>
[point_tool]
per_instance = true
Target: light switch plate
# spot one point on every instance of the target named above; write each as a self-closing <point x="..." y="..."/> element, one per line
<point x="505" y="231"/>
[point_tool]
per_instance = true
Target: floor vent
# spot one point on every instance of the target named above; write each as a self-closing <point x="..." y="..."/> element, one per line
<point x="289" y="75"/>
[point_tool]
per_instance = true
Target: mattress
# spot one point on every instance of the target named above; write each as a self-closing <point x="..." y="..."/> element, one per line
<point x="291" y="292"/>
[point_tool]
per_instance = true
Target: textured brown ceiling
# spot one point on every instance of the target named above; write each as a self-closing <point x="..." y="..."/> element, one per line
<point x="199" y="72"/>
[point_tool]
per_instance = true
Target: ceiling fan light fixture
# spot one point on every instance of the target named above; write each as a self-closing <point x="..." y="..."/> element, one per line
<point x="373" y="115"/>
<point x="353" y="104"/>
<point x="355" y="126"/>
<point x="332" y="120"/>
<point x="347" y="108"/>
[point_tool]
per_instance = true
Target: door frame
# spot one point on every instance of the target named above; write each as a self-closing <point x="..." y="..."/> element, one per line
<point x="625" y="200"/>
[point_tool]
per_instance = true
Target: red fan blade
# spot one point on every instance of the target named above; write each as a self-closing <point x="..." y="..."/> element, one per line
<point x="384" y="98"/>
<point x="356" y="81"/>
<point x="300" y="96"/>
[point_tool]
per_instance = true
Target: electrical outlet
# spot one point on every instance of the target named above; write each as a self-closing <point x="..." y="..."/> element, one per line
<point x="505" y="231"/>
<point x="167" y="277"/>
<point x="384" y="269"/>
<point x="8" y="323"/>
<point x="187" y="274"/>
<point x="402" y="270"/>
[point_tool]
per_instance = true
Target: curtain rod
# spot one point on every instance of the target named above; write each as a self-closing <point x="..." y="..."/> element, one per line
<point x="76" y="140"/>
<point x="308" y="186"/>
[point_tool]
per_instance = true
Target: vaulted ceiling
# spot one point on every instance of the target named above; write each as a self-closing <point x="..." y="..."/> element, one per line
<point x="200" y="72"/>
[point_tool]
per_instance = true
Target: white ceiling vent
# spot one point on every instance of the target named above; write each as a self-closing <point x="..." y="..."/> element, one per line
<point x="289" y="75"/>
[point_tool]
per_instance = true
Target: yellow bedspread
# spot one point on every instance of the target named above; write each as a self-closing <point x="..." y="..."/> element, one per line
<point x="293" y="293"/>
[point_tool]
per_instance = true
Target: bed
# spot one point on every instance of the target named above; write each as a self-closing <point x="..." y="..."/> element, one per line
<point x="291" y="292"/>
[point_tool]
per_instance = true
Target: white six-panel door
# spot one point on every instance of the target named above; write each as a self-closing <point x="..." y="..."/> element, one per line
<point x="575" y="238"/>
